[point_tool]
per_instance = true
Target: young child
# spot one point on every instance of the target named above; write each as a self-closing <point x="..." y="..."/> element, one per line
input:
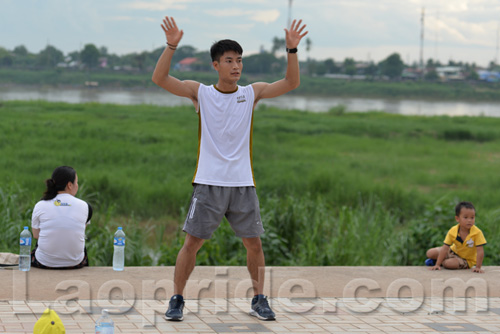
<point x="463" y="245"/>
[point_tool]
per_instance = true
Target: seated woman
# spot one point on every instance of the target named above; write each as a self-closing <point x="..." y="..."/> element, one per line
<point x="58" y="222"/>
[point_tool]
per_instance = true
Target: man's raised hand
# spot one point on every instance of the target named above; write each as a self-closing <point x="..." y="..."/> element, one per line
<point x="172" y="33"/>
<point x="295" y="34"/>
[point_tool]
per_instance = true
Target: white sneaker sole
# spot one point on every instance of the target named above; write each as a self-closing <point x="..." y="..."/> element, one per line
<point x="255" y="314"/>
<point x="173" y="319"/>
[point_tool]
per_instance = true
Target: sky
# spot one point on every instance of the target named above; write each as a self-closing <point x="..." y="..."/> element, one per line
<point x="459" y="30"/>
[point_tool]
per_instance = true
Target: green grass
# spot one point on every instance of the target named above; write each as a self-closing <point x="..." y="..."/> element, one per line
<point x="334" y="188"/>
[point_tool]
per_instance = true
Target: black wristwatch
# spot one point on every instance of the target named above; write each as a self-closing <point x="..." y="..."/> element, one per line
<point x="294" y="50"/>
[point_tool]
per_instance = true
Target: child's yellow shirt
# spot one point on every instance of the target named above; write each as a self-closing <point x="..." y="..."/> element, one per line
<point x="466" y="249"/>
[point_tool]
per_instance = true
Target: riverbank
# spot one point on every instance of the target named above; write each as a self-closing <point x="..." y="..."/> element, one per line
<point x="332" y="186"/>
<point x="310" y="86"/>
<point x="333" y="104"/>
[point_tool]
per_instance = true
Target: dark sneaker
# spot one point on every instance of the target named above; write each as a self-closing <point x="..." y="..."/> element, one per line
<point x="175" y="307"/>
<point x="261" y="309"/>
<point x="430" y="262"/>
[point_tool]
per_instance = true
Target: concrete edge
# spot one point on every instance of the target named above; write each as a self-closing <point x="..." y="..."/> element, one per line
<point x="156" y="283"/>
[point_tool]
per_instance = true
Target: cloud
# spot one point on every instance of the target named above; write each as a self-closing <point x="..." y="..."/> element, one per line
<point x="264" y="16"/>
<point x="451" y="30"/>
<point x="226" y="13"/>
<point x="253" y="2"/>
<point x="131" y="18"/>
<point x="159" y="5"/>
<point x="452" y="33"/>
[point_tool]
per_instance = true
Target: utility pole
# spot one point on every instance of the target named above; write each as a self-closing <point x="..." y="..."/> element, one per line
<point x="422" y="42"/>
<point x="436" y="55"/>
<point x="48" y="52"/>
<point x="498" y="38"/>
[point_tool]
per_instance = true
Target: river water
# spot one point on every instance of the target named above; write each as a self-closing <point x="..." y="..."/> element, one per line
<point x="306" y="103"/>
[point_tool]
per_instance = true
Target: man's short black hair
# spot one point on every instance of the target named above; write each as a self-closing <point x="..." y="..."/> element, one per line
<point x="466" y="205"/>
<point x="218" y="48"/>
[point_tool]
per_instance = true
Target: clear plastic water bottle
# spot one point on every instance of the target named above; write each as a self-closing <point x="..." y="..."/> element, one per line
<point x="119" y="252"/>
<point x="25" y="250"/>
<point x="104" y="325"/>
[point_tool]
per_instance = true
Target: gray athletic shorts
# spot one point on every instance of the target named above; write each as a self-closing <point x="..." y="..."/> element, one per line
<point x="209" y="205"/>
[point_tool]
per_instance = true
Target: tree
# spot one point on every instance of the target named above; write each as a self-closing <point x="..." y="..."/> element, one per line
<point x="319" y="67"/>
<point x="493" y="66"/>
<point x="430" y="64"/>
<point x="205" y="62"/>
<point x="371" y="70"/>
<point x="90" y="56"/>
<point x="308" y="44"/>
<point x="349" y="66"/>
<point x="5" y="58"/>
<point x="20" y="51"/>
<point x="278" y="44"/>
<point x="431" y="75"/>
<point x="310" y="67"/>
<point x="103" y="51"/>
<point x="156" y="53"/>
<point x="392" y="66"/>
<point x="140" y="60"/>
<point x="113" y="60"/>
<point x="330" y="66"/>
<point x="182" y="52"/>
<point x="75" y="55"/>
<point x="49" y="57"/>
<point x="262" y="63"/>
<point x="22" y="58"/>
<point x="472" y="75"/>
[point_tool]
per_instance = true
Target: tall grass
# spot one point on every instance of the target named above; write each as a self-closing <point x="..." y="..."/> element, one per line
<point x="334" y="188"/>
<point x="15" y="213"/>
<point x="299" y="232"/>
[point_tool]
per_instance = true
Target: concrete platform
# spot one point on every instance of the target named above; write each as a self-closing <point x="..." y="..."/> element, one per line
<point x="305" y="299"/>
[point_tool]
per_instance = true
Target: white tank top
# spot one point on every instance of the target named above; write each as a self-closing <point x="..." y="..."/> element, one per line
<point x="225" y="137"/>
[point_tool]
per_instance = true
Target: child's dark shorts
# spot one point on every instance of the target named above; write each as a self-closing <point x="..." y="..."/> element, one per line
<point x="462" y="262"/>
<point x="209" y="205"/>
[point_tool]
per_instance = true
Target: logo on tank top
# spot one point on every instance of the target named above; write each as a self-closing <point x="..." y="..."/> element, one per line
<point x="59" y="203"/>
<point x="241" y="99"/>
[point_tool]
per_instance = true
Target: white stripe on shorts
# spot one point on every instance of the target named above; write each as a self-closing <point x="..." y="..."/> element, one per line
<point x="193" y="208"/>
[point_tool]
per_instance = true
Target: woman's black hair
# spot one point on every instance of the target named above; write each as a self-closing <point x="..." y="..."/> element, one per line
<point x="60" y="178"/>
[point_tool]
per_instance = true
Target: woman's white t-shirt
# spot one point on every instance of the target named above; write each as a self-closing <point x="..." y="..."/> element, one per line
<point x="62" y="221"/>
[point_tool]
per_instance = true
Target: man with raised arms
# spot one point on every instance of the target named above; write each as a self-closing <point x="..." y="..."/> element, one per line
<point x="223" y="183"/>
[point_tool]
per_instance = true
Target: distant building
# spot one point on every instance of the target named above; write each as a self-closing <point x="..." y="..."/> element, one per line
<point x="103" y="62"/>
<point x="450" y="73"/>
<point x="489" y="76"/>
<point x="69" y="63"/>
<point x="410" y="73"/>
<point x="344" y="76"/>
<point x="186" y="64"/>
<point x="361" y="67"/>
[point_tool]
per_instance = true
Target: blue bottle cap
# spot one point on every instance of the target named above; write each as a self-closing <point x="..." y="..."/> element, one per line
<point x="26" y="227"/>
<point x="120" y="228"/>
